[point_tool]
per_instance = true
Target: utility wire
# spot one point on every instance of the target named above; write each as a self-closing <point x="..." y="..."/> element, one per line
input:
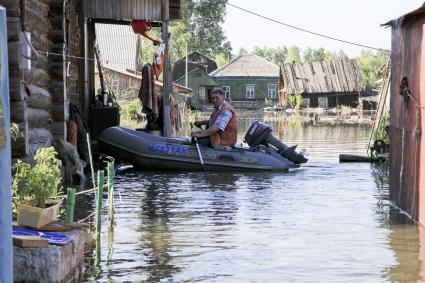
<point x="305" y="30"/>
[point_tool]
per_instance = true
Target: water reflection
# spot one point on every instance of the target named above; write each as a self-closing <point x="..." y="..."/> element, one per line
<point x="326" y="222"/>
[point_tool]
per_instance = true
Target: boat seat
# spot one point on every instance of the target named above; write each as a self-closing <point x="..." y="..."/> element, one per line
<point x="222" y="147"/>
<point x="179" y="140"/>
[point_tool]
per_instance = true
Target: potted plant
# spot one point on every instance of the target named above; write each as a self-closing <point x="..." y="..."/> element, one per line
<point x="35" y="189"/>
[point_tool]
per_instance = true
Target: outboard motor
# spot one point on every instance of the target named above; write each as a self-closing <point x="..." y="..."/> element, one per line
<point x="261" y="134"/>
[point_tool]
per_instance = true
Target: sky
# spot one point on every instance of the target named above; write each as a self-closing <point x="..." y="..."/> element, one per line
<point x="352" y="20"/>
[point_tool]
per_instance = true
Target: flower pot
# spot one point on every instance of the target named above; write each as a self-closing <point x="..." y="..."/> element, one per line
<point x="36" y="217"/>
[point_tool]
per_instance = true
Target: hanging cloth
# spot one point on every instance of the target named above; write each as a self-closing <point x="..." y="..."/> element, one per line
<point x="158" y="60"/>
<point x="147" y="92"/>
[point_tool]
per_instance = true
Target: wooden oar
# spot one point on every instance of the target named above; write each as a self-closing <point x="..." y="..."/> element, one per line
<point x="195" y="139"/>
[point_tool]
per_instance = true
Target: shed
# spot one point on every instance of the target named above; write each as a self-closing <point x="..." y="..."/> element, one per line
<point x="324" y="84"/>
<point x="201" y="84"/>
<point x="249" y="78"/>
<point x="407" y="104"/>
<point x="60" y="34"/>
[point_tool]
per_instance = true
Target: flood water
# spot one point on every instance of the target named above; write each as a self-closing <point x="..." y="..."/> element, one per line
<point x="324" y="222"/>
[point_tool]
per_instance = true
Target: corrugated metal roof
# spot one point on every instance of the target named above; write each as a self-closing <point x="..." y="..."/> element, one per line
<point x="123" y="9"/>
<point x="322" y="77"/>
<point x="117" y="45"/>
<point x="247" y="66"/>
<point x="129" y="9"/>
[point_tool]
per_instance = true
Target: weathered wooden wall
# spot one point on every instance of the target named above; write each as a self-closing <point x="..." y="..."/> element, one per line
<point x="407" y="150"/>
<point x="38" y="95"/>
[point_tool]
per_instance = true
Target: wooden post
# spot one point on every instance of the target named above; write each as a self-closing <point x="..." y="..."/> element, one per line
<point x="110" y="172"/>
<point x="100" y="177"/>
<point x="6" y="250"/>
<point x="166" y="74"/>
<point x="70" y="203"/>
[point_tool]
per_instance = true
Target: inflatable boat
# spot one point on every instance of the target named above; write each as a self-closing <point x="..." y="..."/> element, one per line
<point x="150" y="152"/>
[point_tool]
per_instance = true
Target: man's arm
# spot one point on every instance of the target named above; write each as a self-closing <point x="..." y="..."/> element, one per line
<point x="209" y="132"/>
<point x="201" y="123"/>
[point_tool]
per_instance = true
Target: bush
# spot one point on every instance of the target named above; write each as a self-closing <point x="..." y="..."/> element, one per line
<point x="132" y="110"/>
<point x="381" y="132"/>
<point x="34" y="185"/>
<point x="295" y="100"/>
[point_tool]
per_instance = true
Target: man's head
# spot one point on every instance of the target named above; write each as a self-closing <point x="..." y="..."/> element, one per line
<point x="217" y="97"/>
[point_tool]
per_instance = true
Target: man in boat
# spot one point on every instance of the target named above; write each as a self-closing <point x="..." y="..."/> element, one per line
<point x="222" y="127"/>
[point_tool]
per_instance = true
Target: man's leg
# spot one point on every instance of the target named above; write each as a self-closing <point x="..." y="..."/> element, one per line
<point x="205" y="141"/>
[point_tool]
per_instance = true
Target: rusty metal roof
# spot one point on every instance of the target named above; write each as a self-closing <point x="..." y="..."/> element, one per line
<point x="409" y="16"/>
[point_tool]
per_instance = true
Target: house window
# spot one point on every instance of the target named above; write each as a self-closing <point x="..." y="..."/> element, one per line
<point x="201" y="92"/>
<point x="115" y="85"/>
<point x="226" y="90"/>
<point x="272" y="91"/>
<point x="250" y="91"/>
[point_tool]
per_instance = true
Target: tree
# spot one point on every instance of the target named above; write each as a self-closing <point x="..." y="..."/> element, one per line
<point x="242" y="51"/>
<point x="201" y="26"/>
<point x="370" y="63"/>
<point x="293" y="55"/>
<point x="274" y="55"/>
<point x="308" y="55"/>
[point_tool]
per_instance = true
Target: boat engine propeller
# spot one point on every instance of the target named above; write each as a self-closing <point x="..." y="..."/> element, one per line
<point x="261" y="134"/>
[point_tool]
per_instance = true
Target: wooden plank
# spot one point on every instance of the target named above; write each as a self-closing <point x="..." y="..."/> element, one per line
<point x="341" y="76"/>
<point x="292" y="85"/>
<point x="316" y="78"/>
<point x="320" y="76"/>
<point x="30" y="242"/>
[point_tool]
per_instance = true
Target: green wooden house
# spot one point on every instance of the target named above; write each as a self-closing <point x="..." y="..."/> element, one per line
<point x="201" y="84"/>
<point x="249" y="79"/>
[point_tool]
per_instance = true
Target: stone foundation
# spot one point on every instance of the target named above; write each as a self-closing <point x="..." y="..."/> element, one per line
<point x="52" y="264"/>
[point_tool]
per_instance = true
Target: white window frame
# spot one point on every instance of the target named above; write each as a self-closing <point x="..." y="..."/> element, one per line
<point x="115" y="85"/>
<point x="272" y="91"/>
<point x="202" y="92"/>
<point x="250" y="91"/>
<point x="226" y="90"/>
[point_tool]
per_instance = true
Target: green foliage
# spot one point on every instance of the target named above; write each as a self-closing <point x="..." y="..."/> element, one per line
<point x="295" y="100"/>
<point x="320" y="54"/>
<point x="381" y="132"/>
<point x="131" y="110"/>
<point x="14" y="131"/>
<point x="221" y="59"/>
<point x="200" y="27"/>
<point x="293" y="55"/>
<point x="370" y="63"/>
<point x="34" y="185"/>
<point x="275" y="55"/>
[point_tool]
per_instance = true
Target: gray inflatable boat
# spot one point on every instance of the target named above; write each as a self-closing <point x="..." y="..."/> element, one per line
<point x="150" y="152"/>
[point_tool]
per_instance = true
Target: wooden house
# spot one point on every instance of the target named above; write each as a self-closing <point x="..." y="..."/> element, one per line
<point x="201" y="84"/>
<point x="198" y="68"/>
<point x="51" y="60"/>
<point x="407" y="106"/>
<point x="126" y="84"/>
<point x="323" y="84"/>
<point x="195" y="60"/>
<point x="249" y="80"/>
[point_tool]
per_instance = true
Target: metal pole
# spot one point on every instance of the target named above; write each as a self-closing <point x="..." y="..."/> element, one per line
<point x="110" y="172"/>
<point x="166" y="75"/>
<point x="186" y="68"/>
<point x="100" y="177"/>
<point x="86" y="99"/>
<point x="70" y="203"/>
<point x="6" y="262"/>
